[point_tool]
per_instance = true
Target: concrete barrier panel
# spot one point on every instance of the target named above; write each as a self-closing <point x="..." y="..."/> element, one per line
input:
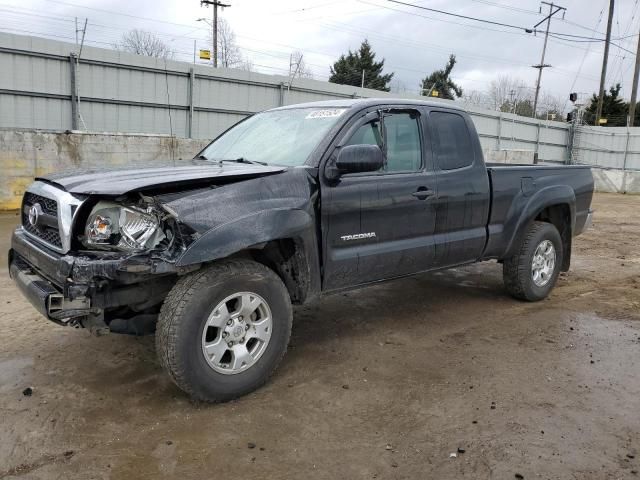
<point x="616" y="181"/>
<point x="28" y="154"/>
<point x="509" y="156"/>
<point x="632" y="182"/>
<point x="611" y="181"/>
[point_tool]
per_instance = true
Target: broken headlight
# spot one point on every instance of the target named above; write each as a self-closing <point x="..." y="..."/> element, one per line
<point x="129" y="229"/>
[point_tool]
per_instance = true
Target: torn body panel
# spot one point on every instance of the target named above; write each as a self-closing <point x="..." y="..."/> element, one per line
<point x="246" y="216"/>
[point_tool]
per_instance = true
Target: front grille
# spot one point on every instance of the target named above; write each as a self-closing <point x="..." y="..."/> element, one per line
<point x="48" y="233"/>
<point x="48" y="205"/>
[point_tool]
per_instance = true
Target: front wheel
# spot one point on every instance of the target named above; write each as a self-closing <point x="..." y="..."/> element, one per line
<point x="532" y="272"/>
<point x="223" y="330"/>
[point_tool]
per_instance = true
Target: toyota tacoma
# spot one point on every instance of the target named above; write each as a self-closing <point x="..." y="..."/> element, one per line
<point x="286" y="206"/>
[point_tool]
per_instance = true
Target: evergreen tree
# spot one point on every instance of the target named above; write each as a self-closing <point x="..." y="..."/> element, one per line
<point x="347" y="70"/>
<point x="440" y="81"/>
<point x="614" y="108"/>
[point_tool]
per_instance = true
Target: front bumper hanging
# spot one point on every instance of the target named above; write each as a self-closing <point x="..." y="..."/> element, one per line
<point x="44" y="295"/>
<point x="79" y="289"/>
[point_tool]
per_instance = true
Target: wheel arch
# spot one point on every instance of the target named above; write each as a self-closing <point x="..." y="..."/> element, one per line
<point x="284" y="240"/>
<point x="555" y="205"/>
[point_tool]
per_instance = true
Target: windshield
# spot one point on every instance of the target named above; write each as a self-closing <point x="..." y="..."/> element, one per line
<point x="277" y="137"/>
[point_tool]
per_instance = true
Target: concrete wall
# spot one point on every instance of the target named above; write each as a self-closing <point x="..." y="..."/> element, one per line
<point x="525" y="157"/>
<point x="27" y="154"/>
<point x="616" y="181"/>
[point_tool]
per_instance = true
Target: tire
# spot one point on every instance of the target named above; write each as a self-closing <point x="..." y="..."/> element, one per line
<point x="518" y="271"/>
<point x="182" y="334"/>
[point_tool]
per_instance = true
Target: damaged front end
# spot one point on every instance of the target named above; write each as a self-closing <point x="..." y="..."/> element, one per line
<point x="99" y="263"/>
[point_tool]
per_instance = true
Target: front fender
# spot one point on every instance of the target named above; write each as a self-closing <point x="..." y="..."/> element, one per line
<point x="244" y="232"/>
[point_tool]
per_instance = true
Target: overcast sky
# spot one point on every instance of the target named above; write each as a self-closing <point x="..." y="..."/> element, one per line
<point x="413" y="42"/>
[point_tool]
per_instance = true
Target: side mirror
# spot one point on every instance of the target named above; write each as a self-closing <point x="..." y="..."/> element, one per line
<point x="359" y="158"/>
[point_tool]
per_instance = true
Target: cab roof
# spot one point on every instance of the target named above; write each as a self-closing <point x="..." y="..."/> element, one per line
<point x="360" y="103"/>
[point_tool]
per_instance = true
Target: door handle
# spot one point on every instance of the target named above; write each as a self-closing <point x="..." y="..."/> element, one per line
<point x="423" y="193"/>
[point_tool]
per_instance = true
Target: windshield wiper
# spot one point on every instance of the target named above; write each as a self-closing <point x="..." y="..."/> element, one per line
<point x="241" y="160"/>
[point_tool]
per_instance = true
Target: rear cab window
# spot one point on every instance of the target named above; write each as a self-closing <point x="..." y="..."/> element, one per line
<point x="452" y="140"/>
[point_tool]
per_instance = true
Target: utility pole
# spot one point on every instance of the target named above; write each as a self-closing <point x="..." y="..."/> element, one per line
<point x="75" y="84"/>
<point x="214" y="27"/>
<point x="542" y="65"/>
<point x="292" y="72"/>
<point x="603" y="75"/>
<point x="634" y="89"/>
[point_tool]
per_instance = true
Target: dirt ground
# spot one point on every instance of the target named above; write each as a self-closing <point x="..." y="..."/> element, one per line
<point x="386" y="382"/>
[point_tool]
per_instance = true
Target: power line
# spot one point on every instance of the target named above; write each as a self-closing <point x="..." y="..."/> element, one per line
<point x="214" y="25"/>
<point x="483" y="28"/>
<point x="329" y="55"/>
<point x="413" y="14"/>
<point x="483" y="20"/>
<point x="542" y="65"/>
<point x="620" y="65"/>
<point x="184" y="49"/>
<point x="507" y="25"/>
<point x="370" y="33"/>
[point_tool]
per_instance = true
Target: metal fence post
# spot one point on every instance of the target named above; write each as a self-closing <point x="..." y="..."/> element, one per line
<point x="73" y="86"/>
<point x="190" y="117"/>
<point x="536" y="155"/>
<point x="624" y="162"/>
<point x="281" y="100"/>
<point x="499" y="130"/>
<point x="626" y="150"/>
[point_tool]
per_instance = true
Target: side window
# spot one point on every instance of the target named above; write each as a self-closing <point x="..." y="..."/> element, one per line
<point x="367" y="134"/>
<point x="453" y="142"/>
<point x="402" y="136"/>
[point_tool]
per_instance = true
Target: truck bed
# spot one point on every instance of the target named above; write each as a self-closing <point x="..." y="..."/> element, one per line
<point x="521" y="188"/>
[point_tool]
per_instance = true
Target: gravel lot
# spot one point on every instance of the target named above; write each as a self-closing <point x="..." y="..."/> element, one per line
<point x="386" y="382"/>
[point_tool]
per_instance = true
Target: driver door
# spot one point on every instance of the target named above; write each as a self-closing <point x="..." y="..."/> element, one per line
<point x="381" y="224"/>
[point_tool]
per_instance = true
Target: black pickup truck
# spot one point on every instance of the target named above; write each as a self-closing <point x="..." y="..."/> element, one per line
<point x="283" y="207"/>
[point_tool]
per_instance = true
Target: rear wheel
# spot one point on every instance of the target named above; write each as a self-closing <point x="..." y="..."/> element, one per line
<point x="532" y="272"/>
<point x="223" y="330"/>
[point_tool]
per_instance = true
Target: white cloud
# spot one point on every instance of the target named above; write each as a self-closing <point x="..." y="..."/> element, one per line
<point x="413" y="42"/>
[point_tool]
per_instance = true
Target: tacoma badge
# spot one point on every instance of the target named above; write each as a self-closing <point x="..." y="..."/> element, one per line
<point x="358" y="236"/>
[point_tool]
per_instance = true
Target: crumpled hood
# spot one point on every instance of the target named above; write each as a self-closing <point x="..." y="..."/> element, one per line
<point x="121" y="181"/>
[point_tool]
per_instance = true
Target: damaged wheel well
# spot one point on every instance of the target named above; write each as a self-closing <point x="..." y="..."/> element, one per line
<point x="287" y="258"/>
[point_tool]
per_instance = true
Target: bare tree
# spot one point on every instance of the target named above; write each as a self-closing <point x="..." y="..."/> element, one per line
<point x="297" y="66"/>
<point x="505" y="92"/>
<point x="146" y="43"/>
<point x="398" y="86"/>
<point x="229" y="54"/>
<point x="552" y="107"/>
<point x="246" y="65"/>
<point x="476" y="98"/>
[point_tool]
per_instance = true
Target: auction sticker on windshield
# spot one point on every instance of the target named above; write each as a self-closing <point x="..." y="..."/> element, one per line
<point x="334" y="112"/>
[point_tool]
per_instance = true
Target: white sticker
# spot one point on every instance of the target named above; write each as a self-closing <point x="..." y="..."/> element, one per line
<point x="334" y="112"/>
